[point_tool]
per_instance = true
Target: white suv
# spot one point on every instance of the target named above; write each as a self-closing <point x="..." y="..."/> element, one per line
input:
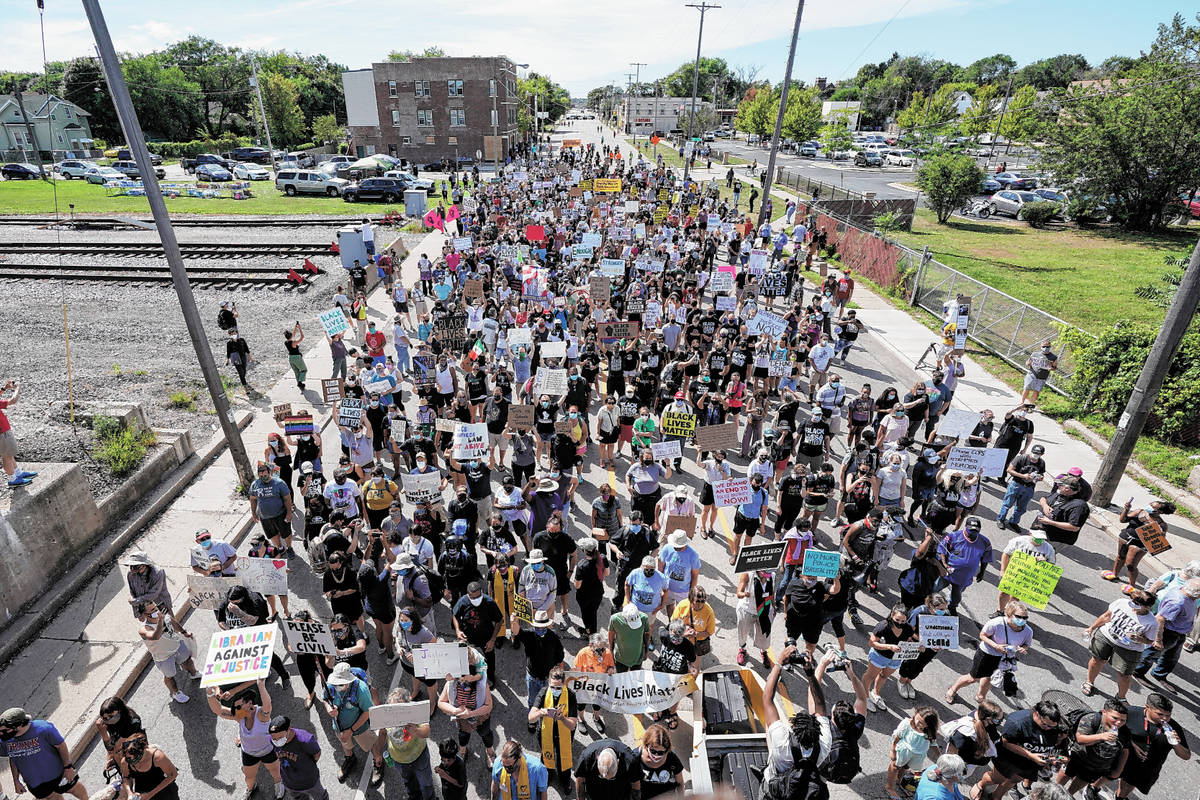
<point x="74" y="168"/>
<point x="292" y="182"/>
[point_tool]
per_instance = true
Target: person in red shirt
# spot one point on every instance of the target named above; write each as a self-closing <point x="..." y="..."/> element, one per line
<point x="8" y="440"/>
<point x="376" y="341"/>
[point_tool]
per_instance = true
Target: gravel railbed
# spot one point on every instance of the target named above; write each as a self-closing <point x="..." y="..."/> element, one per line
<point x="129" y="342"/>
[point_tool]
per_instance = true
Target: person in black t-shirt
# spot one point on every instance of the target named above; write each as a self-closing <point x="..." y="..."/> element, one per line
<point x="791" y="497"/>
<point x="1063" y="513"/>
<point x="477" y="622"/>
<point x="885" y="647"/>
<point x="1029" y="740"/>
<point x="1153" y="737"/>
<point x="543" y="651"/>
<point x="1103" y="749"/>
<point x="607" y="770"/>
<point x="662" y="770"/>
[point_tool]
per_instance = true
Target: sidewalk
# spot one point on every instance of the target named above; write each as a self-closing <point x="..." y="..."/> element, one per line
<point x="91" y="649"/>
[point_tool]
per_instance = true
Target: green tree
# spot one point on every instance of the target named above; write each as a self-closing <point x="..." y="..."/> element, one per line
<point x="881" y="98"/>
<point x="802" y="118"/>
<point x="836" y="136"/>
<point x="714" y="72"/>
<point x="992" y="69"/>
<point x="282" y="107"/>
<point x="1138" y="140"/>
<point x="756" y="113"/>
<point x="165" y="99"/>
<point x="433" y="51"/>
<point x="1055" y="72"/>
<point x="980" y="117"/>
<point x="948" y="180"/>
<point x="1021" y="119"/>
<point x="84" y="85"/>
<point x="846" y="94"/>
<point x="551" y="98"/>
<point x="912" y="116"/>
<point x="325" y="129"/>
<point x="223" y="74"/>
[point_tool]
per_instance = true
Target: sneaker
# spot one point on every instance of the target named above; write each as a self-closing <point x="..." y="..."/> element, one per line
<point x="392" y="658"/>
<point x="1001" y="524"/>
<point x="347" y="765"/>
<point x="180" y="697"/>
<point x="871" y="703"/>
<point x="563" y="624"/>
<point x="377" y="774"/>
<point x="194" y="675"/>
<point x="17" y="480"/>
<point x="878" y="701"/>
<point x="650" y="646"/>
<point x="766" y="659"/>
<point x="906" y="690"/>
<point x="741" y="657"/>
<point x="24" y="473"/>
<point x="598" y="724"/>
<point x="855" y="619"/>
<point x="583" y="724"/>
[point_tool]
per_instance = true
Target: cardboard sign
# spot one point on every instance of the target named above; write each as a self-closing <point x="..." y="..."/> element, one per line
<point x="675" y="423"/>
<point x="462" y="243"/>
<point x="520" y="417"/>
<point x="311" y="637"/>
<point x="550" y="381"/>
<point x="443" y="425"/>
<point x="765" y="556"/>
<point x="422" y="488"/>
<point x="397" y="715"/>
<point x="299" y="425"/>
<point x="638" y="691"/>
<point x="732" y="492"/>
<point x="208" y="591"/>
<point x="972" y="459"/>
<point x="1029" y="580"/>
<point x="666" y="450"/>
<point x="592" y="240"/>
<point x="551" y="349"/>
<point x="618" y="330"/>
<point x="606" y="184"/>
<point x="470" y="441"/>
<point x="821" y="563"/>
<point x="958" y="423"/>
<point x="439" y="659"/>
<point x="1153" y="536"/>
<point x="473" y="289"/>
<point x="600" y="289"/>
<point x="334" y="322"/>
<point x="679" y="522"/>
<point x="523" y="608"/>
<point x="239" y="655"/>
<point x="908" y="651"/>
<point x="631" y="206"/>
<point x="938" y="631"/>
<point x="350" y="412"/>
<point x="717" y="437"/>
<point x="331" y="390"/>
<point x="660" y="214"/>
<point x="263" y="575"/>
<point x="379" y="386"/>
<point x="563" y="426"/>
<point x="280" y="411"/>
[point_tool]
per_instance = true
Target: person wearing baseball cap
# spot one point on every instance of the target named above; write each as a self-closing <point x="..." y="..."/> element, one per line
<point x="965" y="555"/>
<point x="212" y="556"/>
<point x="1023" y="474"/>
<point x="38" y="756"/>
<point x="298" y="751"/>
<point x="1034" y="544"/>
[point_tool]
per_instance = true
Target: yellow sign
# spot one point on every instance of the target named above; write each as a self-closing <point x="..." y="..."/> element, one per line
<point x="586" y="185"/>
<point x="1030" y="579"/>
<point x="660" y="213"/>
<point x="523" y="609"/>
<point x="607" y="184"/>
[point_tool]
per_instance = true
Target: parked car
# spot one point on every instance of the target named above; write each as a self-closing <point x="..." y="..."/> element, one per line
<point x="901" y="158"/>
<point x="709" y="136"/>
<point x="808" y="151"/>
<point x="102" y="175"/>
<point x="411" y="182"/>
<point x="340" y="159"/>
<point x="1016" y="180"/>
<point x="258" y="155"/>
<point x="868" y="158"/>
<point x="213" y="172"/>
<point x="190" y="164"/>
<point x="124" y="154"/>
<point x="72" y="168"/>
<point x="1010" y="202"/>
<point x="252" y="172"/>
<point x="19" y="172"/>
<point x="387" y="190"/>
<point x="721" y="133"/>
<point x="990" y="186"/>
<point x="303" y="159"/>
<point x="1053" y="195"/>
<point x="130" y="170"/>
<point x="293" y="182"/>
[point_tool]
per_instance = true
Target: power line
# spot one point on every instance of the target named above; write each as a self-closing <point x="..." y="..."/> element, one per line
<point x="854" y="60"/>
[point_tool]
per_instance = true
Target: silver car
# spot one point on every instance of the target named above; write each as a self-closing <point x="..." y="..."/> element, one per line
<point x="1010" y="201"/>
<point x="72" y="168"/>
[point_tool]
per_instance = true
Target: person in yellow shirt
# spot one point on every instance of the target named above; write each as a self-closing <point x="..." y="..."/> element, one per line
<point x="379" y="492"/>
<point x="699" y="618"/>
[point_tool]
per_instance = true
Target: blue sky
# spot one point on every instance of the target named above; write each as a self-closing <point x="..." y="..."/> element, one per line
<point x="586" y="44"/>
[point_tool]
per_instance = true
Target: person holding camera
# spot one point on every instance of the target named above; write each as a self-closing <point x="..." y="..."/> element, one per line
<point x="1002" y="641"/>
<point x="804" y="741"/>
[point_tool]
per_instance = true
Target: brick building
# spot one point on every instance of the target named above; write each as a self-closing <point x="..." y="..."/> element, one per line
<point x="428" y="109"/>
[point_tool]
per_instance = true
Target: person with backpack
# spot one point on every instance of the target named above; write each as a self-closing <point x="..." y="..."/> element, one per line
<point x="847" y="722"/>
<point x="1002" y="640"/>
<point x="1100" y="745"/>
<point x="1030" y="741"/>
<point x="973" y="737"/>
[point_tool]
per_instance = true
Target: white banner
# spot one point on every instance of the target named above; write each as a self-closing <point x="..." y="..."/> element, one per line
<point x="972" y="459"/>
<point x="634" y="692"/>
<point x="958" y="423"/>
<point x="470" y="440"/>
<point x="311" y="637"/>
<point x="550" y="349"/>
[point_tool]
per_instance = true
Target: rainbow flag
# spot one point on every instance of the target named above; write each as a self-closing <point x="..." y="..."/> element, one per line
<point x="299" y="425"/>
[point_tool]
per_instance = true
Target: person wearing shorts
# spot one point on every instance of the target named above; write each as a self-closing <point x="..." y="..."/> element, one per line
<point x="751" y="517"/>
<point x="39" y="755"/>
<point x="167" y="647"/>
<point x="348" y="701"/>
<point x="1119" y="637"/>
<point x="254" y="737"/>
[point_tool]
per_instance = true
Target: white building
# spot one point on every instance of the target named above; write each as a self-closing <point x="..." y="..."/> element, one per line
<point x="645" y="115"/>
<point x="846" y="110"/>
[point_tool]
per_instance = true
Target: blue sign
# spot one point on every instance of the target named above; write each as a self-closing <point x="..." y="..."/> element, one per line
<point x="821" y="563"/>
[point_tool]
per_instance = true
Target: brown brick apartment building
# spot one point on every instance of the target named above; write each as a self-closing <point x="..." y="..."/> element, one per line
<point x="428" y="109"/>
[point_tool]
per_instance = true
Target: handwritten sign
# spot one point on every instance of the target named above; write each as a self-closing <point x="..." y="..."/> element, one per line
<point x="681" y="522"/>
<point x="732" y="492"/>
<point x="331" y="389"/>
<point x="972" y="459"/>
<point x="938" y="631"/>
<point x="350" y="412"/>
<point x="397" y="715"/>
<point x="238" y="655"/>
<point x="600" y="289"/>
<point x="280" y="411"/>
<point x="462" y="243"/>
<point x="535" y="233"/>
<point x="765" y="556"/>
<point x="717" y="437"/>
<point x="470" y="440"/>
<point x="473" y="289"/>
<point x="520" y="417"/>
<point x="208" y="591"/>
<point x="908" y="651"/>
<point x="425" y="487"/>
<point x="725" y="302"/>
<point x="614" y="267"/>
<point x="439" y="659"/>
<point x="1029" y="580"/>
<point x="676" y="423"/>
<point x="1153" y="536"/>
<point x="666" y="450"/>
<point x="550" y="381"/>
<point x="821" y="563"/>
<point x="721" y="282"/>
<point x="958" y="423"/>
<point x="758" y="262"/>
<point x="263" y="575"/>
<point x="334" y="322"/>
<point x="312" y="637"/>
<point x="606" y="184"/>
<point x="764" y="322"/>
<point x="523" y="608"/>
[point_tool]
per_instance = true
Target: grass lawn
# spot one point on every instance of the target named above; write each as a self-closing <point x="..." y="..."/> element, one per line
<point x="1086" y="277"/>
<point x="36" y="197"/>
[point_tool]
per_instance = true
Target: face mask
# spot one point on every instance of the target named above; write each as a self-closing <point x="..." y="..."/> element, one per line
<point x="1045" y="349"/>
<point x="1020" y="415"/>
<point x="539" y="567"/>
<point x="941" y="612"/>
<point x="278" y="742"/>
<point x="374" y="404"/>
<point x="206" y="544"/>
<point x="153" y="616"/>
<point x="649" y="573"/>
<point x="898" y="415"/>
<point x="971" y="535"/>
<point x="894" y="467"/>
<point x="406" y="624"/>
<point x="932" y="459"/>
<point x="1019" y="623"/>
<point x="539" y="632"/>
<point x="574" y="415"/>
<point x="476" y="601"/>
<point x="835" y="384"/>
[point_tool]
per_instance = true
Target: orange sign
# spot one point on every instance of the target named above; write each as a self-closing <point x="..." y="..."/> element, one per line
<point x="653" y="140"/>
<point x="572" y="143"/>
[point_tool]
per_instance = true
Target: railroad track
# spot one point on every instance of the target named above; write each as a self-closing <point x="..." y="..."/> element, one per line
<point x="262" y="277"/>
<point x="154" y="249"/>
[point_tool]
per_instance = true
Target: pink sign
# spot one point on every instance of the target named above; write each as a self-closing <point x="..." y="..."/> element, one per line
<point x="452" y="260"/>
<point x="432" y="220"/>
<point x="452" y="213"/>
<point x="535" y="233"/>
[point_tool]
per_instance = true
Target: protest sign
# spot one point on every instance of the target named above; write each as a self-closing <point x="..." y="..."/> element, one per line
<point x="334" y="322"/>
<point x="721" y="283"/>
<point x="299" y="425"/>
<point x="280" y="411"/>
<point x="678" y="423"/>
<point x="208" y="591"/>
<point x="765" y="556"/>
<point x="551" y="349"/>
<point x="618" y="330"/>
<point x="550" y="381"/>
<point x="600" y="289"/>
<point x="350" y="412"/>
<point x="592" y="239"/>
<point x="732" y="492"/>
<point x="535" y="233"/>
<point x="961" y="313"/>
<point x="238" y="655"/>
<point x="666" y="450"/>
<point x="331" y="389"/>
<point x="462" y="243"/>
<point x="397" y="715"/>
<point x="958" y="423"/>
<point x="680" y="522"/>
<point x="725" y="302"/>
<point x="660" y="213"/>
<point x="821" y="563"/>
<point x="908" y="651"/>
<point x="638" y="691"/>
<point x="439" y="659"/>
<point x="379" y="386"/>
<point x="422" y="488"/>
<point x="1153" y="536"/>
<point x="563" y="426"/>
<point x="444" y="425"/>
<point x="972" y="459"/>
<point x="263" y="575"/>
<point x="520" y="417"/>
<point x="523" y="608"/>
<point x="765" y="322"/>
<point x="758" y="262"/>
<point x="938" y="631"/>
<point x="779" y="367"/>
<point x="631" y="206"/>
<point x="519" y="336"/>
<point x="713" y="221"/>
<point x="717" y="437"/>
<point x="614" y="267"/>
<point x="470" y="440"/>
<point x="473" y="289"/>
<point x="773" y="284"/>
<point x="606" y="184"/>
<point x="1030" y="580"/>
<point x="309" y="638"/>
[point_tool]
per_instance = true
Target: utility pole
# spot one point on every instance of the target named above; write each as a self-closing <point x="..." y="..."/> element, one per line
<point x="787" y="80"/>
<point x="262" y="111"/>
<point x="187" y="301"/>
<point x="704" y="6"/>
<point x="1000" y="119"/>
<point x="637" y="65"/>
<point x="37" y="153"/>
<point x="1149" y="382"/>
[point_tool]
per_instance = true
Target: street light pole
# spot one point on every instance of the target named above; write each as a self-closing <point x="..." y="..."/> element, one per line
<point x="787" y="80"/>
<point x="262" y="112"/>
<point x="703" y="6"/>
<point x="637" y="65"/>
<point x="187" y="301"/>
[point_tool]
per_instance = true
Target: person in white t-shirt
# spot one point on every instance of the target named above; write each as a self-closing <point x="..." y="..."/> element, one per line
<point x="809" y="730"/>
<point x="1125" y="630"/>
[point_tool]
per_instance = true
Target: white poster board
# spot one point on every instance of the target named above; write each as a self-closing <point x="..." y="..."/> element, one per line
<point x="312" y="637"/>
<point x="732" y="492"/>
<point x="396" y="715"/>
<point x="666" y="450"/>
<point x="958" y="423"/>
<point x="238" y="655"/>
<point x="263" y="575"/>
<point x="439" y="659"/>
<point x="470" y="440"/>
<point x="971" y="459"/>
<point x="334" y="322"/>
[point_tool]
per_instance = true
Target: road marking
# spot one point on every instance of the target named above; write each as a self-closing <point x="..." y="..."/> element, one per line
<point x="361" y="792"/>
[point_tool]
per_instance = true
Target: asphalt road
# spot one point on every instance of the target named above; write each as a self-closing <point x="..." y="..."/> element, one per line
<point x="203" y="747"/>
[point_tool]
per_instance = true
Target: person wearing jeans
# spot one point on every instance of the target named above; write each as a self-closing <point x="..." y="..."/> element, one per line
<point x="1023" y="472"/>
<point x="408" y="747"/>
<point x="1176" y="615"/>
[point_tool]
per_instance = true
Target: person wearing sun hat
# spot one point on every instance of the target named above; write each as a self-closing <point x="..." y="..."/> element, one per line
<point x="680" y="562"/>
<point x="628" y="638"/>
<point x="538" y="583"/>
<point x="543" y="651"/>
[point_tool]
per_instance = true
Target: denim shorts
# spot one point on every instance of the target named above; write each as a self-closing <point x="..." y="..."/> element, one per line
<point x="881" y="661"/>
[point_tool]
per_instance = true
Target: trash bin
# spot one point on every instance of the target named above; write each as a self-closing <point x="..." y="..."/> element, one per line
<point x="414" y="202"/>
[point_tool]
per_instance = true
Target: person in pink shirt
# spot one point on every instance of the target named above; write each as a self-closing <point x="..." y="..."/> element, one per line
<point x="8" y="440"/>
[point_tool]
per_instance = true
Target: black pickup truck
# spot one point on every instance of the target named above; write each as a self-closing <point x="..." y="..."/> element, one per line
<point x="189" y="164"/>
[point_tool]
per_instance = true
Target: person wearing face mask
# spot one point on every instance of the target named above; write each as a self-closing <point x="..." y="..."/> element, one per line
<point x="1034" y="544"/>
<point x="343" y="494"/>
<point x="1130" y="547"/>
<point x="716" y="470"/>
<point x="819" y="359"/>
<point x="555" y="720"/>
<point x="1016" y="433"/>
<point x="628" y="548"/>
<point x="212" y="557"/>
<point x="271" y="506"/>
<point x="495" y="414"/>
<point x="253" y="734"/>
<point x="750" y="519"/>
<point x="883" y="657"/>
<point x="147" y="582"/>
<point x="168" y="646"/>
<point x="974" y="737"/>
<point x="935" y="605"/>
<point x="379" y="492"/>
<point x="965" y="555"/>
<point x="1023" y="473"/>
<point x="279" y="456"/>
<point x="543" y="652"/>
<point x="677" y="503"/>
<point x="411" y="634"/>
<point x="1120" y="635"/>
<point x="307" y="450"/>
<point x="298" y="751"/>
<point x="1063" y="512"/>
<point x="237" y="353"/>
<point x="1038" y="367"/>
<point x="643" y="480"/>
<point x="1002" y="642"/>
